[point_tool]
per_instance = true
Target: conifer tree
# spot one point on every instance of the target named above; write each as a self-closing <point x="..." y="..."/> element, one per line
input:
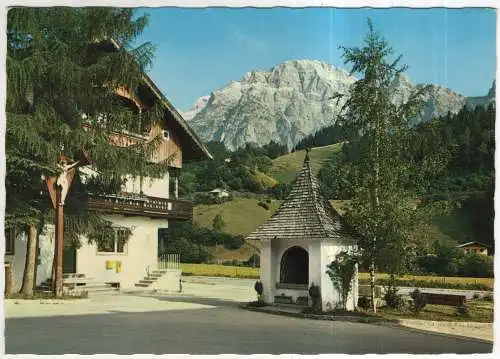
<point x="63" y="73"/>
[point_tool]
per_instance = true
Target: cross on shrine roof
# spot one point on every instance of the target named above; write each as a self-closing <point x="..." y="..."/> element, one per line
<point x="305" y="214"/>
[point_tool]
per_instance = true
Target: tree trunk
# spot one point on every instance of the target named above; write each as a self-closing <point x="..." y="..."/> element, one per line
<point x="377" y="209"/>
<point x="372" y="286"/>
<point x="30" y="263"/>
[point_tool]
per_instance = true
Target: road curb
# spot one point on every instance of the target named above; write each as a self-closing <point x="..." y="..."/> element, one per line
<point x="391" y="323"/>
<point x="48" y="300"/>
<point x="436" y="323"/>
<point x="339" y="318"/>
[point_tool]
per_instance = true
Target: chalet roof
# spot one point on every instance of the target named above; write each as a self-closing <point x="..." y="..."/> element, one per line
<point x="305" y="215"/>
<point x="197" y="149"/>
<point x="471" y="244"/>
<point x="218" y="190"/>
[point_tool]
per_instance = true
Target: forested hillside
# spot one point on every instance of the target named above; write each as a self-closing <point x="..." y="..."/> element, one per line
<point x="456" y="153"/>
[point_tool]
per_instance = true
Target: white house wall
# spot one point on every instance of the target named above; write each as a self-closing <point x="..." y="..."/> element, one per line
<point x="141" y="253"/>
<point x="154" y="187"/>
<point x="46" y="244"/>
<point x="266" y="268"/>
<point x="314" y="251"/>
<point x="18" y="259"/>
<point x="331" y="298"/>
<point x="321" y="254"/>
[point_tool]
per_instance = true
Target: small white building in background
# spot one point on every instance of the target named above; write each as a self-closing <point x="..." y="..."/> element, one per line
<point x="144" y="206"/>
<point x="220" y="193"/>
<point x="298" y="242"/>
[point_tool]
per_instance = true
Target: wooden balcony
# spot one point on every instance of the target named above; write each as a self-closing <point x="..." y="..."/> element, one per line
<point x="153" y="207"/>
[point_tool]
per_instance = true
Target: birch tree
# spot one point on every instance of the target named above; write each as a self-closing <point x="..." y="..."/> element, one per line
<point x="381" y="209"/>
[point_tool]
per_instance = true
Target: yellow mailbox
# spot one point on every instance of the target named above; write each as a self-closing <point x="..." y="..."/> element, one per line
<point x="110" y="265"/>
<point x="118" y="266"/>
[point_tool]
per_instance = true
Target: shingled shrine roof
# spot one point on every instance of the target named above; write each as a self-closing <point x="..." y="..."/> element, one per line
<point x="305" y="215"/>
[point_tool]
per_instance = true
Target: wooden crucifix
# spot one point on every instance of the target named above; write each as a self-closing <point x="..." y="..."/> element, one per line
<point x="58" y="190"/>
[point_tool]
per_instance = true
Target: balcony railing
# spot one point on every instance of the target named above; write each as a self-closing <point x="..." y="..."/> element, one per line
<point x="146" y="206"/>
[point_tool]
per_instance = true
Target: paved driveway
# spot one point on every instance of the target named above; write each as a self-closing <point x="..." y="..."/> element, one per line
<point x="213" y="326"/>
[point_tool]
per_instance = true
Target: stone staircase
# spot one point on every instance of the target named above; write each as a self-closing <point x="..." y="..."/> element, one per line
<point x="76" y="283"/>
<point x="151" y="278"/>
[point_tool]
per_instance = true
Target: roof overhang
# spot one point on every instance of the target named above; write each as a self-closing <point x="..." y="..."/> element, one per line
<point x="193" y="147"/>
<point x="472" y="244"/>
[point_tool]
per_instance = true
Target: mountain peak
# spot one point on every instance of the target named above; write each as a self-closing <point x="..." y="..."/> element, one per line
<point x="292" y="100"/>
<point x="198" y="106"/>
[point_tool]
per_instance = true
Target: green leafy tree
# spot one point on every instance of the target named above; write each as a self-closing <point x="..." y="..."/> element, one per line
<point x="63" y="72"/>
<point x="381" y="209"/>
<point x="342" y="272"/>
<point x="218" y="223"/>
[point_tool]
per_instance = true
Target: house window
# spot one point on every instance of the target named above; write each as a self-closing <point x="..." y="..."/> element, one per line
<point x="10" y="237"/>
<point x="117" y="244"/>
<point x="166" y="135"/>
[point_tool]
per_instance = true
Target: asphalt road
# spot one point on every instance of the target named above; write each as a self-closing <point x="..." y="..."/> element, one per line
<point x="222" y="330"/>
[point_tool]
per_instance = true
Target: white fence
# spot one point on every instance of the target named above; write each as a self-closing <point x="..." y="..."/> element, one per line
<point x="169" y="261"/>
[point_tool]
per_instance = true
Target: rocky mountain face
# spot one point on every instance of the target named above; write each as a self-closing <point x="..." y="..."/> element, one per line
<point x="195" y="108"/>
<point x="293" y="100"/>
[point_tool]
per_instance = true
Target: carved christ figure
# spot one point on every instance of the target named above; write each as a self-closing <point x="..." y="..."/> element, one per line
<point x="62" y="180"/>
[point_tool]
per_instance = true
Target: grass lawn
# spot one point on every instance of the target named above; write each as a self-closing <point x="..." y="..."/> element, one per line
<point x="216" y="270"/>
<point x="364" y="277"/>
<point x="479" y="311"/>
<point x="241" y="215"/>
<point x="285" y="168"/>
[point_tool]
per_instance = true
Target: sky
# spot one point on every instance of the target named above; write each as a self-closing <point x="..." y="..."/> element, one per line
<point x="201" y="50"/>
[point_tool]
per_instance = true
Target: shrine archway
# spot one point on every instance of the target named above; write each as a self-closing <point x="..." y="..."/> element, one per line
<point x="294" y="266"/>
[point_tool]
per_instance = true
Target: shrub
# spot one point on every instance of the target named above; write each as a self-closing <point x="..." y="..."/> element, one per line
<point x="476" y="265"/>
<point x="476" y="296"/>
<point x="268" y="201"/>
<point x="419" y="301"/>
<point x="232" y="263"/>
<point x="218" y="223"/>
<point x="392" y="299"/>
<point x="204" y="198"/>
<point x="449" y="261"/>
<point x="232" y="242"/>
<point x="315" y="294"/>
<point x="433" y="284"/>
<point x="341" y="272"/>
<point x="253" y="261"/>
<point x="488" y="298"/>
<point x="259" y="288"/>
<point x="281" y="190"/>
<point x="263" y="205"/>
<point x="462" y="311"/>
<point x="364" y="302"/>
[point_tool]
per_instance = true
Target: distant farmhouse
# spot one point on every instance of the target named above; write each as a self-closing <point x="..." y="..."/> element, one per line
<point x="219" y="193"/>
<point x="143" y="206"/>
<point x="474" y="247"/>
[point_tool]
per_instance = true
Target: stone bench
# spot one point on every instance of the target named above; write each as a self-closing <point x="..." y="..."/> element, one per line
<point x="446" y="299"/>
